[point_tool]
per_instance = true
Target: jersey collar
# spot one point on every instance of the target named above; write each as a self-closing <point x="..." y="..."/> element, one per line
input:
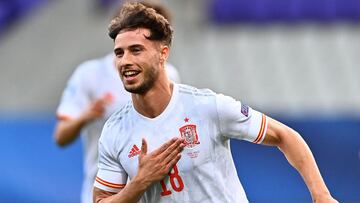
<point x="169" y="108"/>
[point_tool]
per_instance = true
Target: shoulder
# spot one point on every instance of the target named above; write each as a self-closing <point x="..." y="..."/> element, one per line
<point x="114" y="136"/>
<point x="119" y="115"/>
<point x="93" y="67"/>
<point x="190" y="90"/>
<point x="117" y="121"/>
<point x="91" y="73"/>
<point x="200" y="100"/>
<point x="115" y="125"/>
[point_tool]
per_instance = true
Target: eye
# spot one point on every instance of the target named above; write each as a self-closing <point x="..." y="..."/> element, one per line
<point x="119" y="54"/>
<point x="136" y="50"/>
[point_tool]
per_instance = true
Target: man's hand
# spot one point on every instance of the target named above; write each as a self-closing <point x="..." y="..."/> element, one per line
<point x="153" y="167"/>
<point x="96" y="108"/>
<point x="156" y="165"/>
<point x="67" y="130"/>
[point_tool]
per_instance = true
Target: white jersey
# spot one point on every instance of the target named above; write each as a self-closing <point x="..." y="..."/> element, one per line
<point x="206" y="171"/>
<point x="92" y="80"/>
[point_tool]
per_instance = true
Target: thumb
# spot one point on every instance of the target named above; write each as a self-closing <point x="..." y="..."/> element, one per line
<point x="143" y="147"/>
<point x="108" y="98"/>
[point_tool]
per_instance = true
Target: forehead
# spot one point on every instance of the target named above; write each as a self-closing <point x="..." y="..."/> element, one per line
<point x="130" y="37"/>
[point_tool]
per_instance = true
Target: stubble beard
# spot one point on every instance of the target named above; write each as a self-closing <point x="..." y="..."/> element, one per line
<point x="150" y="77"/>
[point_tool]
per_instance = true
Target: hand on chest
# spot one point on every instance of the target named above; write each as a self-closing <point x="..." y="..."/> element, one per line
<point x="196" y="133"/>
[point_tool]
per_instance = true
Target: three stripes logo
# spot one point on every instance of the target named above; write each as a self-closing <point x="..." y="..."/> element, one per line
<point x="134" y="151"/>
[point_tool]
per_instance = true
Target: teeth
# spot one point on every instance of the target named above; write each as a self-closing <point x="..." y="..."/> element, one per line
<point x="129" y="73"/>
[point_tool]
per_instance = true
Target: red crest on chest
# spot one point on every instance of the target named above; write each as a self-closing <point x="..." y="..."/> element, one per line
<point x="188" y="132"/>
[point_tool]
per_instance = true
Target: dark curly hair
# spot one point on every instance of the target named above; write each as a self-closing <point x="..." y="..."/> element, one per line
<point x="137" y="15"/>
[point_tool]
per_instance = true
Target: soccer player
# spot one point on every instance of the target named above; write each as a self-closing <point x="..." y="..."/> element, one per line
<point x="93" y="93"/>
<point x="172" y="140"/>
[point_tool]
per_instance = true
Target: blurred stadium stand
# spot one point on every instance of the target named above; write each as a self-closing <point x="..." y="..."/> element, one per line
<point x="12" y="10"/>
<point x="230" y="11"/>
<point x="294" y="60"/>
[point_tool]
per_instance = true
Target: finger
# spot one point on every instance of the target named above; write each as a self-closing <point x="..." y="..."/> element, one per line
<point x="98" y="111"/>
<point x="96" y="106"/>
<point x="174" y="154"/>
<point x="108" y="98"/>
<point x="172" y="163"/>
<point x="173" y="147"/>
<point x="143" y="147"/>
<point x="100" y="103"/>
<point x="163" y="147"/>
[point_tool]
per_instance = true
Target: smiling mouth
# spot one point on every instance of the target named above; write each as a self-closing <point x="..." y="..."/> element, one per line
<point x="130" y="73"/>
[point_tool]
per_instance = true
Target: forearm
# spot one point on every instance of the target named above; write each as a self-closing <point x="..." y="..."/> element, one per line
<point x="68" y="130"/>
<point x="300" y="157"/>
<point x="131" y="193"/>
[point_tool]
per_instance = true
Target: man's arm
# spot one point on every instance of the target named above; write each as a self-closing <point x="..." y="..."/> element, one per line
<point x="132" y="192"/>
<point x="299" y="156"/>
<point x="153" y="167"/>
<point x="68" y="129"/>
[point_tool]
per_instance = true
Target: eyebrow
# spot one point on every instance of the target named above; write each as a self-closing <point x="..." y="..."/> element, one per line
<point x="136" y="45"/>
<point x="117" y="49"/>
<point x="130" y="47"/>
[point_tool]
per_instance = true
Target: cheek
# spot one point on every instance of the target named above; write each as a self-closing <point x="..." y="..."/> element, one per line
<point x="155" y="59"/>
<point x="117" y="63"/>
<point x="150" y="60"/>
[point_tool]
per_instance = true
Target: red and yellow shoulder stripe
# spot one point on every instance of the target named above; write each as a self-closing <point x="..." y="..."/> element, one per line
<point x="108" y="184"/>
<point x="63" y="117"/>
<point x="262" y="130"/>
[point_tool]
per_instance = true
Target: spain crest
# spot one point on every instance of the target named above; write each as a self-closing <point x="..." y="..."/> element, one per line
<point x="189" y="134"/>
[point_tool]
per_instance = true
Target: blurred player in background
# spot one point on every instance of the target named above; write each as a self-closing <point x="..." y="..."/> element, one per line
<point x="93" y="93"/>
<point x="172" y="140"/>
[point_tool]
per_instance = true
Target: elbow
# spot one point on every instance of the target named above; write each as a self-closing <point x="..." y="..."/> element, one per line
<point x="61" y="135"/>
<point x="59" y="140"/>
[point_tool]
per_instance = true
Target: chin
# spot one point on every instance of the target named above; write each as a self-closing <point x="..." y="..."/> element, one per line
<point x="135" y="90"/>
<point x="139" y="89"/>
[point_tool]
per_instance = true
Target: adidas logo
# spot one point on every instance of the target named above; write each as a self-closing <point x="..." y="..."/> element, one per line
<point x="134" y="151"/>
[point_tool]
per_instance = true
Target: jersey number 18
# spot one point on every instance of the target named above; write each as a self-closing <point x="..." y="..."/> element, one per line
<point x="173" y="175"/>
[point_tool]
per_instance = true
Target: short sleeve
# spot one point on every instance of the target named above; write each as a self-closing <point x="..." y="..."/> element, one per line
<point x="111" y="176"/>
<point x="239" y="121"/>
<point x="75" y="96"/>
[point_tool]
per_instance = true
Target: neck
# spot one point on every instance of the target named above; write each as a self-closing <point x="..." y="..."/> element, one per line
<point x="152" y="103"/>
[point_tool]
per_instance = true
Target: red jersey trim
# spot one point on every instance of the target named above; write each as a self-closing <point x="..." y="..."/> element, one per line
<point x="63" y="117"/>
<point x="108" y="184"/>
<point x="262" y="129"/>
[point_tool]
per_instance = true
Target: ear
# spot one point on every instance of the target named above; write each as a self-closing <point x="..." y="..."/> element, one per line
<point x="164" y="53"/>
